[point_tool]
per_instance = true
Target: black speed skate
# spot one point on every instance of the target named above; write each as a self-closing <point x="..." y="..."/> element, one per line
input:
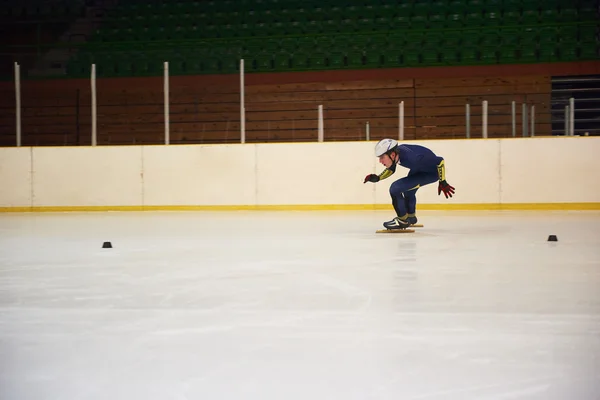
<point x="396" y="223"/>
<point x="412" y="220"/>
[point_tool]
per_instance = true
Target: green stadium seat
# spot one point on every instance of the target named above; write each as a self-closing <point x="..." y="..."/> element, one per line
<point x="506" y="54"/>
<point x="568" y="15"/>
<point x="124" y="67"/>
<point x="391" y="58"/>
<point x="470" y="39"/>
<point x="529" y="38"/>
<point x="459" y="7"/>
<point x="211" y="65"/>
<point x="489" y="38"/>
<point x="451" y="40"/>
<point x="431" y="56"/>
<point x="530" y="17"/>
<point x="475" y="5"/>
<point x="419" y="22"/>
<point x="449" y="56"/>
<point x="469" y="55"/>
<point x="567" y="52"/>
<point x="454" y="21"/>
<point x="527" y="54"/>
<point x="150" y="67"/>
<point x="230" y="63"/>
<point x="547" y="52"/>
<point x="355" y="59"/>
<point x="549" y="15"/>
<point x="589" y="51"/>
<point x="568" y="35"/>
<point x="399" y="22"/>
<point x="511" y="18"/>
<point x="492" y="18"/>
<point x="547" y="35"/>
<point x="300" y="60"/>
<point x="318" y="60"/>
<point x="421" y="9"/>
<point x="437" y="20"/>
<point x="412" y="56"/>
<point x="281" y="61"/>
<point x="588" y="32"/>
<point x="372" y="58"/>
<point x="473" y="19"/>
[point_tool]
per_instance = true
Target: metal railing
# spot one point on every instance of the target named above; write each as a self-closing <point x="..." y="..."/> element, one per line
<point x="482" y="116"/>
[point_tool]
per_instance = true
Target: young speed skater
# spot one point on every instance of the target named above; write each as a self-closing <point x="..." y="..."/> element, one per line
<point x="424" y="166"/>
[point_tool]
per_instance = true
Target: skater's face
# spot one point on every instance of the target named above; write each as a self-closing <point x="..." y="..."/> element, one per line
<point x="386" y="160"/>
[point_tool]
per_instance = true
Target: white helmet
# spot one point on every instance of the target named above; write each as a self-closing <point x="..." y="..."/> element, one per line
<point x="384" y="146"/>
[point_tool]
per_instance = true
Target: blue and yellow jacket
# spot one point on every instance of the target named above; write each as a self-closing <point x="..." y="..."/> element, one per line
<point x="417" y="159"/>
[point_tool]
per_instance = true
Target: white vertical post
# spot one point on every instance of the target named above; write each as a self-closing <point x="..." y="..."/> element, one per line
<point x="321" y="133"/>
<point x="572" y="116"/>
<point x="514" y="118"/>
<point x="468" y="120"/>
<point x="401" y="121"/>
<point x="567" y="125"/>
<point x="532" y="121"/>
<point x="524" y="111"/>
<point x="18" y="102"/>
<point x="484" y="119"/>
<point x="368" y="132"/>
<point x="94" y="116"/>
<point x="166" y="91"/>
<point x="242" y="104"/>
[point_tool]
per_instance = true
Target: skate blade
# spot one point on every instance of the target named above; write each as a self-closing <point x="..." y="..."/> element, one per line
<point x="395" y="231"/>
<point x="417" y="226"/>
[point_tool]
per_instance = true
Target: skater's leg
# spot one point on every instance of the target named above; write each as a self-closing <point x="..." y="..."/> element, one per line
<point x="399" y="222"/>
<point x="410" y="200"/>
<point x="411" y="184"/>
<point x="398" y="202"/>
<point x="397" y="190"/>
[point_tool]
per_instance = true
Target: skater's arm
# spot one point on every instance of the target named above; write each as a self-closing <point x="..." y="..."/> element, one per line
<point x="388" y="172"/>
<point x="385" y="174"/>
<point x="441" y="169"/>
<point x="443" y="186"/>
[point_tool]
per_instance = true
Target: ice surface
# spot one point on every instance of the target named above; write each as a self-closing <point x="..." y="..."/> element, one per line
<point x="299" y="305"/>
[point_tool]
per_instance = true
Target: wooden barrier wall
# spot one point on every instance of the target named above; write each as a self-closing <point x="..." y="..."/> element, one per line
<point x="279" y="107"/>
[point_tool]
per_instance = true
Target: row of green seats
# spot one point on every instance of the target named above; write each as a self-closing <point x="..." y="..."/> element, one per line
<point x="176" y="7"/>
<point x="193" y="32"/>
<point x="584" y="38"/>
<point x="512" y="35"/>
<point x="195" y="62"/>
<point x="550" y="14"/>
<point x="333" y="19"/>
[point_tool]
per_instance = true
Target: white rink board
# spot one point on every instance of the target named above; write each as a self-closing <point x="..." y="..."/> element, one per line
<point x="314" y="173"/>
<point x="15" y="177"/>
<point x="541" y="170"/>
<point x="87" y="176"/>
<point x="199" y="175"/>
<point x="485" y="172"/>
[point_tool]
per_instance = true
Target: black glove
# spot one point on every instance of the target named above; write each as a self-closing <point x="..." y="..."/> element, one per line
<point x="371" y="178"/>
<point x="446" y="188"/>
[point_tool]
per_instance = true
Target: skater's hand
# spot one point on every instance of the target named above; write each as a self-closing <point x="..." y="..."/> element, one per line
<point x="446" y="188"/>
<point x="371" y="178"/>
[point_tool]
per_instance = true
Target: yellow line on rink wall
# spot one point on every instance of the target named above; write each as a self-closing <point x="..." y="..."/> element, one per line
<point x="313" y="207"/>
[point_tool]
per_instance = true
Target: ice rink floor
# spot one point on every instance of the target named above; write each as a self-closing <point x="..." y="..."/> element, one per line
<point x="299" y="305"/>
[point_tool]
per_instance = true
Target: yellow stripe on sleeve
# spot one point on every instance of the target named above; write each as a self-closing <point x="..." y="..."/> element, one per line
<point x="386" y="174"/>
<point x="441" y="168"/>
